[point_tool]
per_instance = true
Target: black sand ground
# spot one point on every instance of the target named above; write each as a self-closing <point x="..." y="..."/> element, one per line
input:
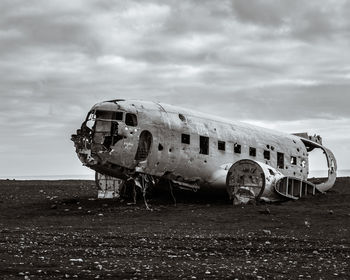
<point x="57" y="230"/>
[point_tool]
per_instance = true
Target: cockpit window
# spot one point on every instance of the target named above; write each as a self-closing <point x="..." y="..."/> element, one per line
<point x="90" y="120"/>
<point x="118" y="116"/>
<point x="107" y="115"/>
<point x="130" y="119"/>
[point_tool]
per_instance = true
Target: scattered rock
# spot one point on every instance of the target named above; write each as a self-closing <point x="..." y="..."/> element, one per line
<point x="99" y="267"/>
<point x="76" y="260"/>
<point x="265" y="211"/>
<point x="173" y="243"/>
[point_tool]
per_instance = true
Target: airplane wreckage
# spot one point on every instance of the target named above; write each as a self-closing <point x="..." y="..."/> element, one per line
<point x="135" y="144"/>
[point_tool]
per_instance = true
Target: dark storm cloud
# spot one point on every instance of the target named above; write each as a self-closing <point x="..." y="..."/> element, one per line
<point x="267" y="12"/>
<point x="306" y="20"/>
<point x="265" y="61"/>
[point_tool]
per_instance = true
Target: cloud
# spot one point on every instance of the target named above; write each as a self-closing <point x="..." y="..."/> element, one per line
<point x="302" y="20"/>
<point x="270" y="13"/>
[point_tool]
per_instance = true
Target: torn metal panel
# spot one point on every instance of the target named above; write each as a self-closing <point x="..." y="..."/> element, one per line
<point x="294" y="188"/>
<point x="331" y="163"/>
<point x="315" y="138"/>
<point x="108" y="186"/>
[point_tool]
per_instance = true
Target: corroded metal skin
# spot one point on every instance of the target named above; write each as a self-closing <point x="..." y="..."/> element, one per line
<point x="126" y="138"/>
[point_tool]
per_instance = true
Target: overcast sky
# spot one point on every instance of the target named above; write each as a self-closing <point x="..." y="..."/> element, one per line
<point x="279" y="64"/>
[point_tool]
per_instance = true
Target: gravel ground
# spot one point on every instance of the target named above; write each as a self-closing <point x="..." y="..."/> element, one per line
<point x="58" y="230"/>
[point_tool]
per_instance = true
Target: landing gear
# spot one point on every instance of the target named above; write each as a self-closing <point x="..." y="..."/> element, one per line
<point x="144" y="182"/>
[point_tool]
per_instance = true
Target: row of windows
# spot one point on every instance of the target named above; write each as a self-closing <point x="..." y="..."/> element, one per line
<point x="237" y="148"/>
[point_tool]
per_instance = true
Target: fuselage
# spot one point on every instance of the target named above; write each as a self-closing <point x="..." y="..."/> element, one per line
<point x="184" y="145"/>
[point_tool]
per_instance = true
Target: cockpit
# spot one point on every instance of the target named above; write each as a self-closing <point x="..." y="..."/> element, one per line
<point x="102" y="129"/>
<point x="105" y="126"/>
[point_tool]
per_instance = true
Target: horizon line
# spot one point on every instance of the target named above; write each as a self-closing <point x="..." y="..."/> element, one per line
<point x="84" y="176"/>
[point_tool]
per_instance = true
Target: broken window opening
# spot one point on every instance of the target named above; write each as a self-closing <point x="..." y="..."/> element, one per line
<point x="108" y="115"/>
<point x="293" y="160"/>
<point x="182" y="118"/>
<point x="130" y="119"/>
<point x="113" y="138"/>
<point x="144" y="147"/>
<point x="271" y="172"/>
<point x="101" y="114"/>
<point x="160" y="147"/>
<point x="280" y="160"/>
<point x="252" y="151"/>
<point x="185" y="138"/>
<point x="114" y="128"/>
<point x="237" y="148"/>
<point x="267" y="155"/>
<point x="221" y="145"/>
<point x="204" y="145"/>
<point x="99" y="120"/>
<point x="103" y="120"/>
<point x="90" y="120"/>
<point x="118" y="116"/>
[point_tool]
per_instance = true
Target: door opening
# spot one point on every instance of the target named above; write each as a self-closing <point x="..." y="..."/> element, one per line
<point x="144" y="147"/>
